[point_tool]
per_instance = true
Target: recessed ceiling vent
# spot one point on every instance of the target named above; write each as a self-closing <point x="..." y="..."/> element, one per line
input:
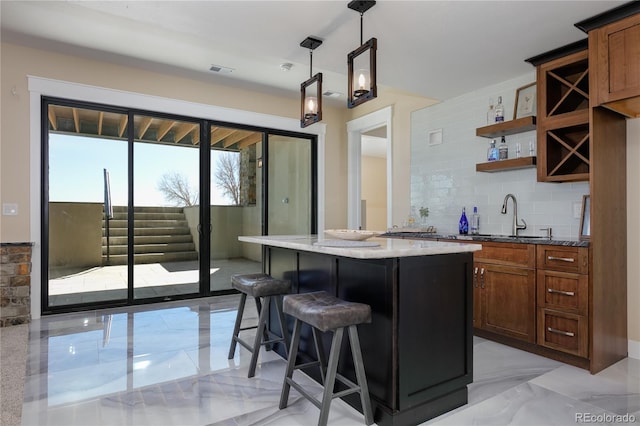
<point x="331" y="94"/>
<point x="220" y="69"/>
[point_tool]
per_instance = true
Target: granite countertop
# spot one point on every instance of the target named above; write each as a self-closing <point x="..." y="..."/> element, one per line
<point x="488" y="238"/>
<point x="377" y="248"/>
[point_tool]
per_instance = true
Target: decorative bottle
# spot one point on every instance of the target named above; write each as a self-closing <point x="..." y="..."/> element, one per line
<point x="503" y="150"/>
<point x="491" y="113"/>
<point x="492" y="152"/>
<point x="499" y="111"/>
<point x="463" y="225"/>
<point x="475" y="221"/>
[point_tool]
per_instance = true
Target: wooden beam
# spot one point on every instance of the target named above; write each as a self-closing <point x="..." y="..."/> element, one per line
<point x="195" y="139"/>
<point x="217" y="134"/>
<point x="144" y="126"/>
<point x="183" y="130"/>
<point x="76" y="119"/>
<point x="52" y="118"/>
<point x="250" y="140"/>
<point x="164" y="129"/>
<point x="122" y="126"/>
<point x="237" y="136"/>
<point x="100" y="120"/>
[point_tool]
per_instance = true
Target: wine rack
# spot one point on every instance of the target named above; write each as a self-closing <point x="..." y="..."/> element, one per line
<point x="563" y="119"/>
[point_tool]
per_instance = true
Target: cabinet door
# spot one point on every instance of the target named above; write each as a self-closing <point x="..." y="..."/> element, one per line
<point x="509" y="301"/>
<point x="616" y="51"/>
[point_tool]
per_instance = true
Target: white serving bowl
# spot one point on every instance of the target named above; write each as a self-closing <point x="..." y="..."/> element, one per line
<point x="350" y="234"/>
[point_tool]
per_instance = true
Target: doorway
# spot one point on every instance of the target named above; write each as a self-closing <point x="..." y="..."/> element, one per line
<point x="360" y="132"/>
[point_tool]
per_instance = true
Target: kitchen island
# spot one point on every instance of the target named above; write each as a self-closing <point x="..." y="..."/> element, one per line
<point x="417" y="350"/>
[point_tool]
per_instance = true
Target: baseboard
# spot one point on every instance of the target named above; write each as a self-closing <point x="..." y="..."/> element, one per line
<point x="634" y="349"/>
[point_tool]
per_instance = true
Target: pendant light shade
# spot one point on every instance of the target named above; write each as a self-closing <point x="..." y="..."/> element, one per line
<point x="361" y="64"/>
<point x="311" y="90"/>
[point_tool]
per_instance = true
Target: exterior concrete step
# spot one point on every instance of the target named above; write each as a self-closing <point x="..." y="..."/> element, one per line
<point x="121" y="259"/>
<point x="151" y="248"/>
<point x="148" y="216"/>
<point x="148" y="239"/>
<point x="122" y="232"/>
<point x="143" y="209"/>
<point x="148" y="223"/>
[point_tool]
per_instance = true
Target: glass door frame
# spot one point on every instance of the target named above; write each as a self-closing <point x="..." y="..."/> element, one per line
<point x="204" y="188"/>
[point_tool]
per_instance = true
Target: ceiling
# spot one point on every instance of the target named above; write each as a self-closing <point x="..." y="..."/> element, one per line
<point x="436" y="49"/>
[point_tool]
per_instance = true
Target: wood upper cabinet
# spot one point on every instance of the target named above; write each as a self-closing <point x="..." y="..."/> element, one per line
<point x="563" y="118"/>
<point x="615" y="58"/>
<point x="504" y="283"/>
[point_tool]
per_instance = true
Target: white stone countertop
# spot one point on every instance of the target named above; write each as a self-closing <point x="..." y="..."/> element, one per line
<point x="384" y="247"/>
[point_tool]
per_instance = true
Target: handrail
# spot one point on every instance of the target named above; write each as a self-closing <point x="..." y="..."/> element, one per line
<point x="108" y="209"/>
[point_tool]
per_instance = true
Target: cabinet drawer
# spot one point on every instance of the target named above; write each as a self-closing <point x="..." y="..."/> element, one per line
<point x="563" y="331"/>
<point x="563" y="291"/>
<point x="506" y="254"/>
<point x="560" y="258"/>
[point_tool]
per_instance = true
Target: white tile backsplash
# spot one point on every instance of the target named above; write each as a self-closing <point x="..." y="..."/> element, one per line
<point x="443" y="177"/>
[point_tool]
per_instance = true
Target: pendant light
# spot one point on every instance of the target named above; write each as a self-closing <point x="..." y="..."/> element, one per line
<point x="310" y="102"/>
<point x="362" y="76"/>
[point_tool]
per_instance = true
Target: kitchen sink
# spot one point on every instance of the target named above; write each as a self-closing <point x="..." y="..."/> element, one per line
<point x="506" y="236"/>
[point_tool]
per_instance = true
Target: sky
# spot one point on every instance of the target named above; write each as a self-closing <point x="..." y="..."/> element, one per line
<point x="76" y="166"/>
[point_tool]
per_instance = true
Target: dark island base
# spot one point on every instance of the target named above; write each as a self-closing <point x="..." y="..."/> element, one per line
<point x="418" y="349"/>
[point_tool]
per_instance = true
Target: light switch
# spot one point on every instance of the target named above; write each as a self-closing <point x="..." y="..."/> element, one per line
<point x="9" y="209"/>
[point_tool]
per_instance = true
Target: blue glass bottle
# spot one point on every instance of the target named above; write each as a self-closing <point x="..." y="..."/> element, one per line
<point x="463" y="225"/>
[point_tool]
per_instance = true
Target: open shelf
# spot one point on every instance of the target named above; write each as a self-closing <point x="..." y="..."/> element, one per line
<point x="509" y="164"/>
<point x="506" y="128"/>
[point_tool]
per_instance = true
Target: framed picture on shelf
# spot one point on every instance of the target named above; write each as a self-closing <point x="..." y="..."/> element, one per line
<point x="525" y="101"/>
<point x="585" y="219"/>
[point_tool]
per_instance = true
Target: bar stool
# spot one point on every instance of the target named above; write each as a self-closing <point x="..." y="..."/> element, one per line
<point x="266" y="287"/>
<point x="325" y="312"/>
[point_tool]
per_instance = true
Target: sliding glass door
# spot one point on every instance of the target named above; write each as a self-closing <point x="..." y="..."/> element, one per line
<point x="166" y="207"/>
<point x="143" y="207"/>
<point x="86" y="174"/>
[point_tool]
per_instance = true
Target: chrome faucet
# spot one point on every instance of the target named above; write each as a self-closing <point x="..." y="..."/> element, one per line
<point x="515" y="226"/>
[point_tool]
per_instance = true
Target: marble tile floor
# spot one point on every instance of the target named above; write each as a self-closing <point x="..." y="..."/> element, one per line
<point x="166" y="364"/>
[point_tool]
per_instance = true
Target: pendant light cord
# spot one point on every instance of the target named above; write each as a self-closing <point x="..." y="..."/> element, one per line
<point x="310" y="63"/>
<point x="361" y="25"/>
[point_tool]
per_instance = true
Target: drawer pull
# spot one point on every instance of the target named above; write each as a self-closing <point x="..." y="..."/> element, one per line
<point x="564" y="333"/>
<point x="564" y="293"/>
<point x="561" y="259"/>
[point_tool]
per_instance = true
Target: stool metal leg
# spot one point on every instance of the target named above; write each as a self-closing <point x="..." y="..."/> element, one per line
<point x="236" y="328"/>
<point x="360" y="375"/>
<point x="291" y="362"/>
<point x="330" y="380"/>
<point x="283" y="325"/>
<point x="259" y="309"/>
<point x="260" y="335"/>
<point x="322" y="359"/>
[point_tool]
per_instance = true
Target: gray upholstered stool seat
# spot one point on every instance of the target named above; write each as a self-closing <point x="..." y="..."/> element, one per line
<point x="324" y="312"/>
<point x="260" y="285"/>
<point x="266" y="288"/>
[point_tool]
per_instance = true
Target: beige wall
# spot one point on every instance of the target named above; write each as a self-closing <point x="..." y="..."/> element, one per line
<point x="18" y="62"/>
<point x="374" y="191"/>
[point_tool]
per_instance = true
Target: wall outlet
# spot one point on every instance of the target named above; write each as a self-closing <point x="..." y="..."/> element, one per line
<point x="9" y="209"/>
<point x="577" y="210"/>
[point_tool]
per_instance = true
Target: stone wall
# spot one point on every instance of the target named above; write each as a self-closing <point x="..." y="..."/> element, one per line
<point x="15" y="283"/>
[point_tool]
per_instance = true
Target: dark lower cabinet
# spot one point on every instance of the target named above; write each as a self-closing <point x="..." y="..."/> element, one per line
<point x="418" y="349"/>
